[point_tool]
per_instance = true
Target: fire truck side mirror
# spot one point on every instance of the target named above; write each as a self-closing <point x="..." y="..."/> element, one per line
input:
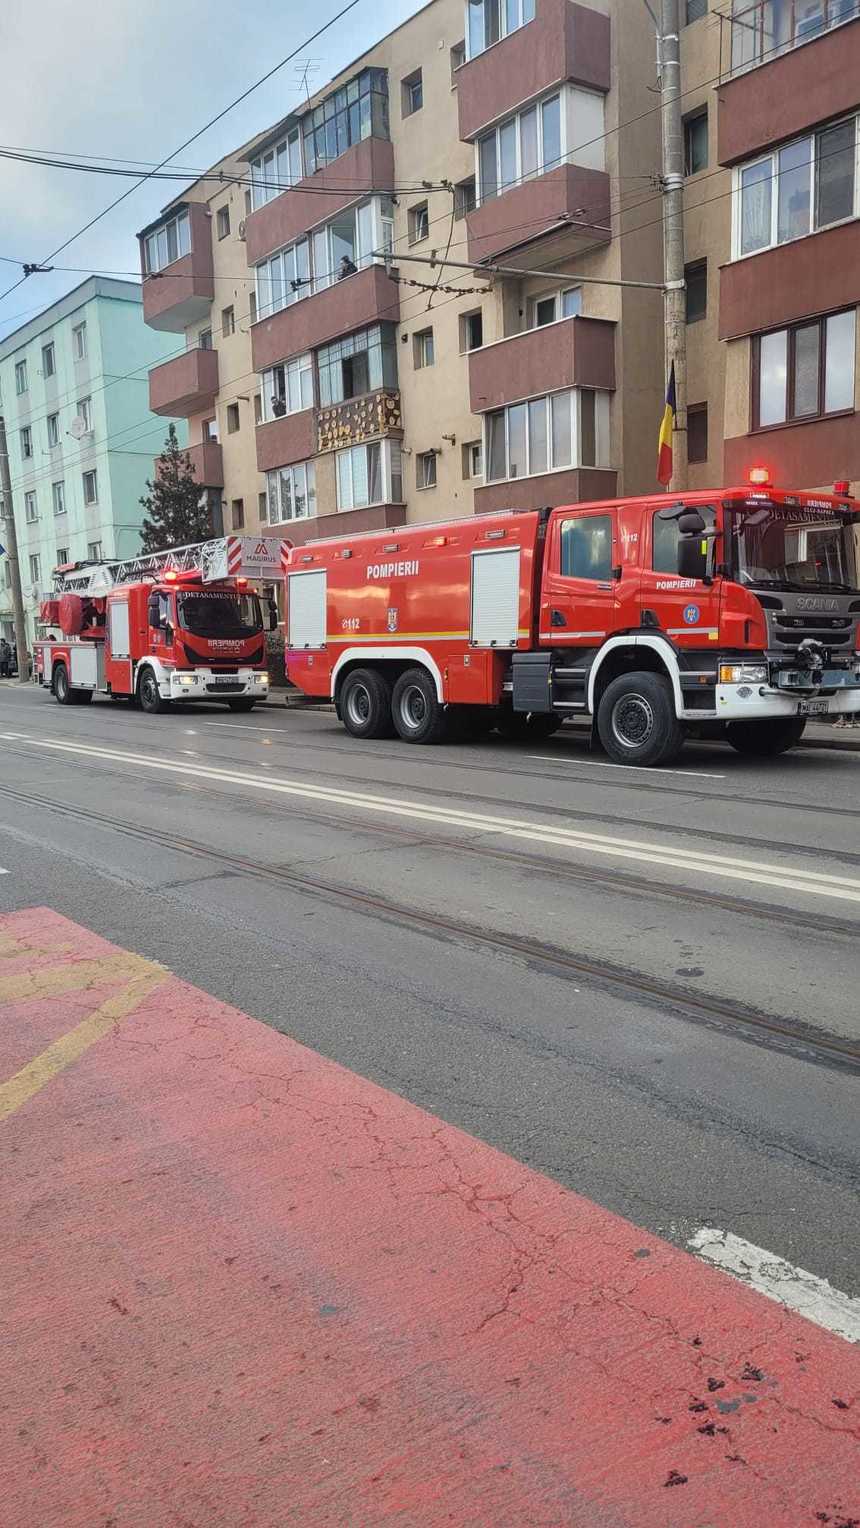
<point x="153" y="612"/>
<point x="273" y="616"/>
<point x="692" y="557"/>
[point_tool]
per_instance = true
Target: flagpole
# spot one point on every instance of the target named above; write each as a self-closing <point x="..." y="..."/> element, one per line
<point x="669" y="48"/>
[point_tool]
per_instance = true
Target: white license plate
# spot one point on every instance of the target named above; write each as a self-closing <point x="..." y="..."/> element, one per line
<point x="222" y="679"/>
<point x="812" y="708"/>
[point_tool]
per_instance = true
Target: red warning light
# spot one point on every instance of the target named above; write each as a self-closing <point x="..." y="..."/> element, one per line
<point x="171" y="576"/>
<point x="760" y="476"/>
<point x="843" y="489"/>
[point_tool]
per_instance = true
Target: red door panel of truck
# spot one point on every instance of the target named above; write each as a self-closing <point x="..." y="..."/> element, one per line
<point x="579" y="597"/>
<point x="687" y="608"/>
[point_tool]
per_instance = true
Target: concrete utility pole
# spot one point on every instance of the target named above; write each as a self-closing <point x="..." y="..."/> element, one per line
<point x="10" y="541"/>
<point x="669" y="45"/>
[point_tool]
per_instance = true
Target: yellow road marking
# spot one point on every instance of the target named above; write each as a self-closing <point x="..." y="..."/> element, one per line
<point x="70" y="976"/>
<point x="70" y="1046"/>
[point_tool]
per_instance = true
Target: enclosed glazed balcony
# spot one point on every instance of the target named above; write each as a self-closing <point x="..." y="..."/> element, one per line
<point x="564" y="41"/>
<point x="565" y="211"/>
<point x="186" y="385"/>
<point x="176" y="264"/>
<point x="575" y="352"/>
<point x="366" y="298"/>
<point x="317" y="197"/>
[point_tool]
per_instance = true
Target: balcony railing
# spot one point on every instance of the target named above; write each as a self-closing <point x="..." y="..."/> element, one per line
<point x="761" y="30"/>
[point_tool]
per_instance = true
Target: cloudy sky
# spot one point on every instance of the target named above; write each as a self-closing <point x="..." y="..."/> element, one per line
<point x="131" y="81"/>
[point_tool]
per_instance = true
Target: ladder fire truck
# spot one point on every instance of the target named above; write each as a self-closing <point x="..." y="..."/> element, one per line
<point x="732" y="613"/>
<point x="172" y="626"/>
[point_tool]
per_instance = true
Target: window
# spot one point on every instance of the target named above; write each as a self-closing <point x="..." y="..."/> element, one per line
<point x="549" y="307"/>
<point x="696" y="278"/>
<point x="62" y="556"/>
<point x="49" y="365"/>
<point x="204" y="339"/>
<point x="464" y="197"/>
<point x="210" y="431"/>
<point x="168" y="243"/>
<point x="488" y="21"/>
<point x="568" y="429"/>
<point x="276" y="169"/>
<point x="35" y="575"/>
<point x="228" y="322"/>
<point x="697" y="432"/>
<point x="261" y="507"/>
<point x="472" y="459"/>
<point x="26" y="443"/>
<point x="53" y="423"/>
<point x="358" y="363"/>
<point x="58" y="494"/>
<point x="369" y="474"/>
<point x="696" y="142"/>
<point x="458" y="58"/>
<point x="85" y="413"/>
<point x="425" y="469"/>
<point x="338" y="249"/>
<point x="762" y="29"/>
<point x="94" y="551"/>
<point x="694" y="10"/>
<point x="237" y="511"/>
<point x="524" y="146"/>
<point x="419" y="222"/>
<point x="808" y="184"/>
<point x="21" y="383"/>
<point x="249" y="206"/>
<point x="422" y="349"/>
<point x="258" y="408"/>
<point x="252" y="307"/>
<point x="31" y="510"/>
<point x="666" y="540"/>
<point x="586" y="547"/>
<point x="91" y="487"/>
<point x="804" y="372"/>
<point x="291" y="494"/>
<point x="222" y="222"/>
<point x="471" y="331"/>
<point x="232" y="418"/>
<point x="79" y="342"/>
<point x="356" y="110"/>
<point x="412" y="94"/>
<point x="288" y="387"/>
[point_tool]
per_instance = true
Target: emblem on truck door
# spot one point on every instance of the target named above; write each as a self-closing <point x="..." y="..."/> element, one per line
<point x="392" y="619"/>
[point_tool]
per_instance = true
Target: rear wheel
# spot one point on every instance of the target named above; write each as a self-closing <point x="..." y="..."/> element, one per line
<point x="365" y="704"/>
<point x="765" y="739"/>
<point x="148" y="694"/>
<point x="636" y="720"/>
<point x="242" y="703"/>
<point x="418" y="715"/>
<point x="60" y="685"/>
<point x="520" y="726"/>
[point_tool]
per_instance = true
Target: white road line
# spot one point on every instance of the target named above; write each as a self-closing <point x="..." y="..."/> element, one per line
<point x="648" y="769"/>
<point x="671" y="857"/>
<point x="2" y="871"/>
<point x="801" y="1291"/>
<point x="236" y="727"/>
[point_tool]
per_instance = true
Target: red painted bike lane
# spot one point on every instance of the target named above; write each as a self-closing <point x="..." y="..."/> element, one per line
<point x="244" y="1286"/>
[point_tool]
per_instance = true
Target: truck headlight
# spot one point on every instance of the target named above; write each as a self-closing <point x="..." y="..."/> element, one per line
<point x="743" y="673"/>
<point x="263" y="679"/>
<point x="186" y="679"/>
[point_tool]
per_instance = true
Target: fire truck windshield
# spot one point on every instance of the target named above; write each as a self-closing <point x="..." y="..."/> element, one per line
<point x="793" y="547"/>
<point x="219" y="613"/>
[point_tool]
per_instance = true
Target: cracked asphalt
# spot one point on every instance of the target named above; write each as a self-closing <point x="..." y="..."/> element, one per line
<point x="350" y="931"/>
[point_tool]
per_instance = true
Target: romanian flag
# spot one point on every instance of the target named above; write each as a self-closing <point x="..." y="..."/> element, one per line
<point x="664" y="443"/>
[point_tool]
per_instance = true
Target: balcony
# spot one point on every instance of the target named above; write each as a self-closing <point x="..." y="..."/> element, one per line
<point x="186" y="385"/>
<point x="564" y="42"/>
<point x="357" y="419"/>
<point x="810" y="275"/>
<point x="354" y="303"/>
<point x="576" y="485"/>
<point x="207" y="464"/>
<point x="813" y="455"/>
<point x="318" y="197"/>
<point x="181" y="293"/>
<point x="786" y="89"/>
<point x="292" y="438"/>
<point x="565" y="211"/>
<point x="576" y="352"/>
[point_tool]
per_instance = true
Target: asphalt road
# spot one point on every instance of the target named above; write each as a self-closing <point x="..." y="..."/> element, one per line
<point x="642" y="983"/>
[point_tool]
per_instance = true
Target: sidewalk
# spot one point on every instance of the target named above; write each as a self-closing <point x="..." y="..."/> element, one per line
<point x="246" y="1286"/>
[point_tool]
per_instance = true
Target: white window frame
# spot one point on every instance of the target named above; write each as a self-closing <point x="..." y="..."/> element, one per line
<point x="59" y="499"/>
<point x="26" y="436"/>
<point x="425" y="349"/>
<point x="523" y="7"/>
<point x="295" y="370"/>
<point x="157" y="254"/>
<point x="94" y="551"/>
<point x="574" y="396"/>
<point x="391" y="467"/>
<point x="277" y="168"/>
<point x="558" y="296"/>
<point x="772" y="158"/>
<point x="49" y="351"/>
<point x="22" y="382"/>
<point x="475" y="450"/>
<point x="281" y="268"/>
<point x="91" y="472"/>
<point x="85" y="413"/>
<point x="301" y="473"/>
<point x="31" y="507"/>
<point x="62" y="555"/>
<point x="560" y="94"/>
<point x="425" y="479"/>
<point x="35" y="570"/>
<point x="79" y="341"/>
<point x="53" y="430"/>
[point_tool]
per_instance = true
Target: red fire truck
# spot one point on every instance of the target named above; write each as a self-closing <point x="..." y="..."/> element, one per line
<point x="731" y="614"/>
<point x="175" y="626"/>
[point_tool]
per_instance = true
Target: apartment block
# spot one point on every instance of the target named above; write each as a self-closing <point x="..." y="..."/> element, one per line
<point x="335" y="375"/>
<point x="81" y="438"/>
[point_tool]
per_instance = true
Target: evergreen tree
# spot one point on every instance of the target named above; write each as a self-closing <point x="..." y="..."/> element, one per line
<point x="175" y="515"/>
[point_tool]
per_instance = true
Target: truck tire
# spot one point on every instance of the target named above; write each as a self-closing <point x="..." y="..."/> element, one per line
<point x="418" y="716"/>
<point x="148" y="694"/>
<point x="520" y="726"/>
<point x="765" y="739"/>
<point x="60" y="685"/>
<point x="241" y="703"/>
<point x="636" y="720"/>
<point x="365" y="704"/>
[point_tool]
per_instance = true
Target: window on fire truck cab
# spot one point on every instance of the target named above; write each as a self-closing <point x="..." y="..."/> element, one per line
<point x="220" y="614"/>
<point x="666" y="539"/>
<point x="164" y="616"/>
<point x="586" y="547"/>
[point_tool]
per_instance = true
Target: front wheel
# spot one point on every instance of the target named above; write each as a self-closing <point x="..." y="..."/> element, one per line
<point x="149" y="694"/>
<point x="418" y="715"/>
<point x="636" y="720"/>
<point x="242" y="703"/>
<point x="765" y="739"/>
<point x="365" y="704"/>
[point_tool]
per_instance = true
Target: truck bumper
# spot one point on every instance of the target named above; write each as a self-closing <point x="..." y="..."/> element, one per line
<point x="202" y="684"/>
<point x="757" y="702"/>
